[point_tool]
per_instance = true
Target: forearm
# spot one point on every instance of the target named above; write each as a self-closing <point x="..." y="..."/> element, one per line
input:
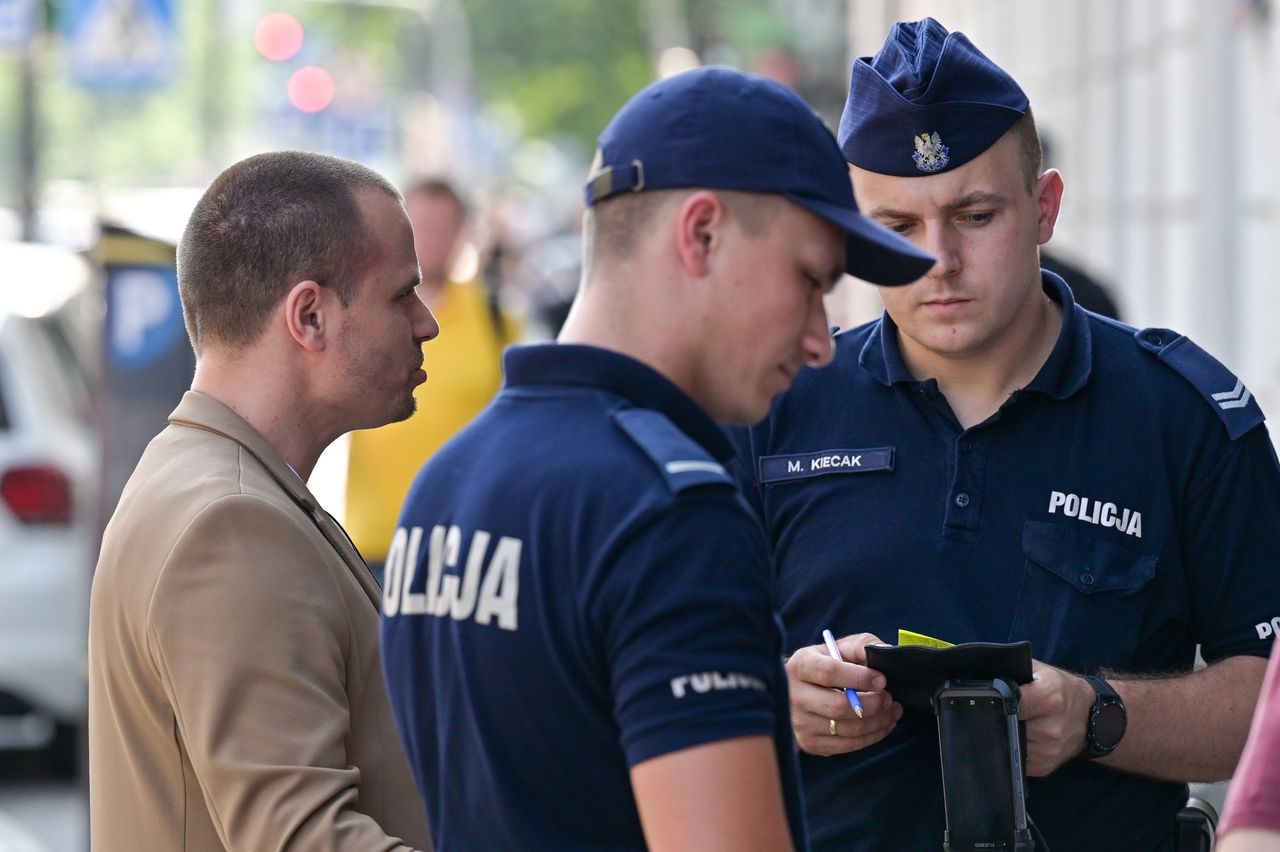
<point x="724" y="795"/>
<point x="1189" y="727"/>
<point x="1250" y="840"/>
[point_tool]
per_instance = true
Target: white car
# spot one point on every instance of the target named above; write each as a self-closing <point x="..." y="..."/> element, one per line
<point x="49" y="474"/>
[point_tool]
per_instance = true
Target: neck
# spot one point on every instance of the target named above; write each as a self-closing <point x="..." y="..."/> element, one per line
<point x="273" y="402"/>
<point x="976" y="384"/>
<point x="627" y="318"/>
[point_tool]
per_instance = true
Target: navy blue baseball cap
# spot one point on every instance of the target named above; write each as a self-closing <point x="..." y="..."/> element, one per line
<point x="928" y="102"/>
<point x="719" y="128"/>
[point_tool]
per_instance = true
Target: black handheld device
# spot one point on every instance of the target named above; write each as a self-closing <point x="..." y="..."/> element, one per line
<point x="983" y="776"/>
<point x="1196" y="827"/>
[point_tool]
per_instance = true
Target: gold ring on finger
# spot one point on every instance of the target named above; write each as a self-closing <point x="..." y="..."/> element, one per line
<point x="831" y="726"/>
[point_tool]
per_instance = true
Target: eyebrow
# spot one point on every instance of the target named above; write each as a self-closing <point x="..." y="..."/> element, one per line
<point x="830" y="276"/>
<point x="977" y="198"/>
<point x="835" y="275"/>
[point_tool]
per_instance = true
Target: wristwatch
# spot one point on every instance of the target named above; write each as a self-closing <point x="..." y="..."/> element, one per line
<point x="1107" y="720"/>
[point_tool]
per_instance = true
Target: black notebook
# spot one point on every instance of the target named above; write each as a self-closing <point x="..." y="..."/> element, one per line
<point x="914" y="672"/>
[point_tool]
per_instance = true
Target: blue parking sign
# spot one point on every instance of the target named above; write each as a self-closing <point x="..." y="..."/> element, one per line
<point x="121" y="44"/>
<point x="144" y="316"/>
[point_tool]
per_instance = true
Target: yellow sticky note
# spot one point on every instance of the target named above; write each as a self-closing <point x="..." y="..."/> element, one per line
<point x="906" y="637"/>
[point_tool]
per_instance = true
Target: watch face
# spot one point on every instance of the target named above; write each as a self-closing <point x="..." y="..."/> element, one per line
<point x="1109" y="726"/>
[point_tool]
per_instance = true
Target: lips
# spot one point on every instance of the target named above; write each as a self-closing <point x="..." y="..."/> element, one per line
<point x="946" y="305"/>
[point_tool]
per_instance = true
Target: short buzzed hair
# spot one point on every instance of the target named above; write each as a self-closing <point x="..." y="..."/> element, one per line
<point x="263" y="225"/>
<point x="613" y="226"/>
<point x="1029" y="147"/>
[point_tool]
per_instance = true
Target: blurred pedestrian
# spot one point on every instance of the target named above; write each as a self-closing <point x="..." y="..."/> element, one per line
<point x="548" y="274"/>
<point x="1000" y="465"/>
<point x="465" y="367"/>
<point x="1088" y="292"/>
<point x="235" y="690"/>
<point x="578" y="630"/>
<point x="1251" y="821"/>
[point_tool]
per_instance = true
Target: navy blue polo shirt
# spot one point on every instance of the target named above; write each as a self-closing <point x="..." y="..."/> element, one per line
<point x="576" y="586"/>
<point x="1117" y="511"/>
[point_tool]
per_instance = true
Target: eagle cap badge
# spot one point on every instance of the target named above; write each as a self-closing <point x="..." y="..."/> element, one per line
<point x="931" y="155"/>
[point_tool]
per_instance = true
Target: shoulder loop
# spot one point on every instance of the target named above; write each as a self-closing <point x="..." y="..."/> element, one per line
<point x="682" y="460"/>
<point x="1229" y="398"/>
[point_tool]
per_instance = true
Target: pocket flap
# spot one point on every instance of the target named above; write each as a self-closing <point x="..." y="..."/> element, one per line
<point x="1088" y="564"/>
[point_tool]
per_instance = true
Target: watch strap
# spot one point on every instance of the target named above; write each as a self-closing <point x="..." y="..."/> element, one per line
<point x="1104" y="695"/>
<point x="1102" y="688"/>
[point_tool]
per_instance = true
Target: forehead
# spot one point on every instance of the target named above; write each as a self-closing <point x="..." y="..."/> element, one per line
<point x="388" y="234"/>
<point x="808" y="222"/>
<point x="813" y="237"/>
<point x="999" y="170"/>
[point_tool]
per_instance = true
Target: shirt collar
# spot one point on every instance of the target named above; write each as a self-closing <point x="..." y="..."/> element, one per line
<point x="590" y="366"/>
<point x="1064" y="372"/>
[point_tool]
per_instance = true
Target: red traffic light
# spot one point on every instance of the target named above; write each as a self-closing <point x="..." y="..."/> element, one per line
<point x="311" y="88"/>
<point x="278" y="36"/>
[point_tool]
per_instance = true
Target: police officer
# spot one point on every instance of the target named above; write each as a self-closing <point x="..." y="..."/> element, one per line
<point x="990" y="462"/>
<point x="577" y="623"/>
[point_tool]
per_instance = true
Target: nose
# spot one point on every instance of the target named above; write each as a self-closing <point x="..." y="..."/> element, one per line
<point x="817" y="347"/>
<point x="943" y="243"/>
<point x="425" y="326"/>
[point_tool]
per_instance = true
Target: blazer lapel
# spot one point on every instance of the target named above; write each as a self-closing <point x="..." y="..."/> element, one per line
<point x="205" y="412"/>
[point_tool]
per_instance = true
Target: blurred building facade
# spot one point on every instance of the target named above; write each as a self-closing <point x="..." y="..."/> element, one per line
<point x="1163" y="115"/>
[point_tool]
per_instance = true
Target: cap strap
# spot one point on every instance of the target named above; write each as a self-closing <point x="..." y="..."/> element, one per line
<point x="612" y="180"/>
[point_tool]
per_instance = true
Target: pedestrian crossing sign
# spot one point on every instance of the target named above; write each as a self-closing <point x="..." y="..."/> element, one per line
<point x="121" y="44"/>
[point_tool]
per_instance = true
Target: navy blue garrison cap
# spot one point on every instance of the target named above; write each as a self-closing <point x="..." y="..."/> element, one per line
<point x="719" y="128"/>
<point x="929" y="101"/>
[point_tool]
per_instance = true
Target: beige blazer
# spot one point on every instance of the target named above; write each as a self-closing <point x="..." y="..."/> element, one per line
<point x="235" y="688"/>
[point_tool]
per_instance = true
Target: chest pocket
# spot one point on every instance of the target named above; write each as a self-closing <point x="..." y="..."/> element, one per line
<point x="1082" y="598"/>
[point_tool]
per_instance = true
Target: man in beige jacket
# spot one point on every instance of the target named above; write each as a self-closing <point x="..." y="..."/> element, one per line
<point x="235" y="691"/>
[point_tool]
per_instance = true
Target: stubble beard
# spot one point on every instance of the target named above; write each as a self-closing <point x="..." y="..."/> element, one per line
<point x="407" y="410"/>
<point x="374" y="382"/>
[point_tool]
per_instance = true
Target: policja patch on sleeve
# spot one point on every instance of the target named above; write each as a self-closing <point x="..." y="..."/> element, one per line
<point x="681" y="459"/>
<point x="1230" y="399"/>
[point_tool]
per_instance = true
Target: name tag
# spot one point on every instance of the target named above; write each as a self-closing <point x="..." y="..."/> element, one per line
<point x="805" y="465"/>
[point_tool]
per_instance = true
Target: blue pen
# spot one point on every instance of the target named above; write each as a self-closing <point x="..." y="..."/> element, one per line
<point x="834" y="651"/>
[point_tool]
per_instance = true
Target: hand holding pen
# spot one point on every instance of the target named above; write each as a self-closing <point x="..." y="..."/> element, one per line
<point x="851" y="694"/>
<point x="825" y="722"/>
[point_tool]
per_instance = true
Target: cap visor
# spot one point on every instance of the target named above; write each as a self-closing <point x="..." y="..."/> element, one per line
<point x="872" y="252"/>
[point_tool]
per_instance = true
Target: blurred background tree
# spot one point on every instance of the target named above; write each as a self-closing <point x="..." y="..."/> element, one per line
<point x="562" y="66"/>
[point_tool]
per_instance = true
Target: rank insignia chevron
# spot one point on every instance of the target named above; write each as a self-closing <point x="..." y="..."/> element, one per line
<point x="1237" y="397"/>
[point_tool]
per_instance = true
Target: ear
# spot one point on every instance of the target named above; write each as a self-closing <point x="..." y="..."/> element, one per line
<point x="307" y="314"/>
<point x="700" y="223"/>
<point x="1048" y="192"/>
